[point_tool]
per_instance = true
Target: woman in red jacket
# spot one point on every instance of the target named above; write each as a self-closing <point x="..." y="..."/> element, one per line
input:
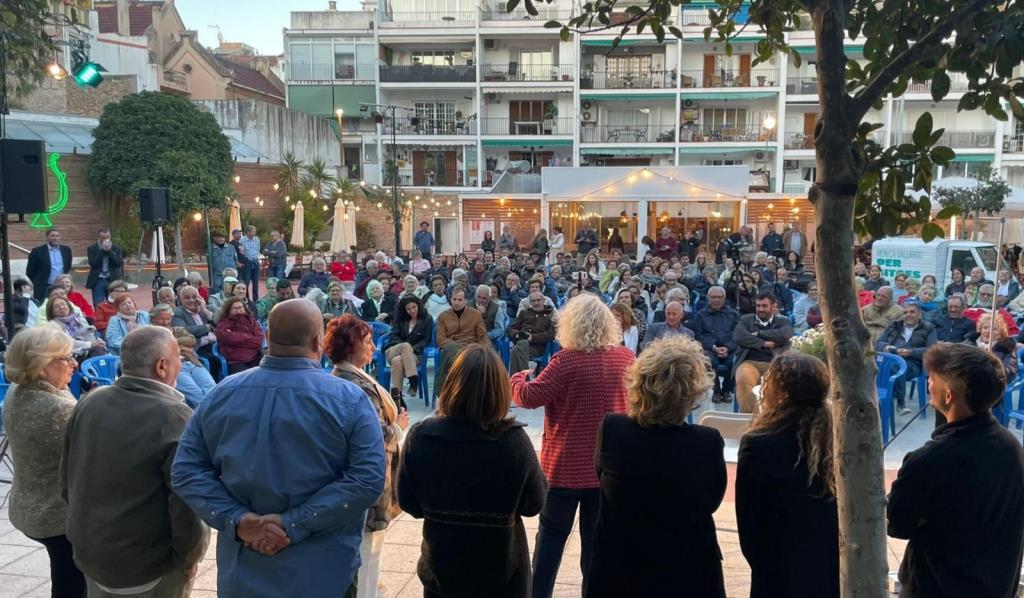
<point x="239" y="336"/>
<point x="344" y="270"/>
<point x="583" y="381"/>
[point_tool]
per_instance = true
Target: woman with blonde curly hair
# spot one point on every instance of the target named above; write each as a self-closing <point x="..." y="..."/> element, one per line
<point x="582" y="383"/>
<point x="652" y="457"/>
<point x="785" y="484"/>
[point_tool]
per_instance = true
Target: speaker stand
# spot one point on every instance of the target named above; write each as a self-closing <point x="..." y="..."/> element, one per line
<point x="158" y="280"/>
<point x="5" y="261"/>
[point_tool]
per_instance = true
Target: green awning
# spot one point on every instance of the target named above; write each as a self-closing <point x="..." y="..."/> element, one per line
<point x="725" y="150"/>
<point x="729" y="95"/>
<point x="607" y="43"/>
<point x="627" y="151"/>
<point x="527" y="142"/>
<point x="811" y="50"/>
<point x="974" y="158"/>
<point x="654" y="95"/>
<point x="323" y="100"/>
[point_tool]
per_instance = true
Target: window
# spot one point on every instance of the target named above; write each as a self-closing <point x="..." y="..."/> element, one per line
<point x="436" y="117"/>
<point x="962" y="169"/>
<point x="628" y="65"/>
<point x="434" y="57"/>
<point x="300" y="61"/>
<point x="809" y="173"/>
<point x="535" y="65"/>
<point x="963" y="259"/>
<point x="725" y="117"/>
<point x="723" y="162"/>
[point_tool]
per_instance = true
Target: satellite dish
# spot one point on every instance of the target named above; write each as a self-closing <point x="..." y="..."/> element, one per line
<point x="519" y="166"/>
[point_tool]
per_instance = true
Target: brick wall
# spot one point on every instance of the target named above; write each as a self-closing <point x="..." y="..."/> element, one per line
<point x="66" y="97"/>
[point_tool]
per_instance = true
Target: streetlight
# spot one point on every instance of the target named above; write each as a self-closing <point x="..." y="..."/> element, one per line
<point x="380" y="111"/>
<point x="769" y="123"/>
<point x="341" y="142"/>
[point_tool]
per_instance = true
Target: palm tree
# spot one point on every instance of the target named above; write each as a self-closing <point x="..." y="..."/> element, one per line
<point x="289" y="183"/>
<point x="317" y="180"/>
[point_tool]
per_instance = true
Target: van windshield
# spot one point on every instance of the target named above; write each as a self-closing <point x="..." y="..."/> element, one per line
<point x="988" y="257"/>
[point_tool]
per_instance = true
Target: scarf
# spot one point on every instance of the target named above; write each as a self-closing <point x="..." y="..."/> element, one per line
<point x="72" y="325"/>
<point x="130" y="322"/>
<point x="387" y="404"/>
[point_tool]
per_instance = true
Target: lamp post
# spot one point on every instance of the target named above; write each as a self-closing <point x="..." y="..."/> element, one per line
<point x="396" y="210"/>
<point x="341" y="143"/>
<point x="769" y="125"/>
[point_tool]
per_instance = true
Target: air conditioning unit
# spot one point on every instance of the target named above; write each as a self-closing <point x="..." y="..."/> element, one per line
<point x="759" y="155"/>
<point x="688" y="103"/>
<point x="790" y="165"/>
<point x="491" y="44"/>
<point x="491" y="98"/>
<point x="984" y="140"/>
<point x="502" y="7"/>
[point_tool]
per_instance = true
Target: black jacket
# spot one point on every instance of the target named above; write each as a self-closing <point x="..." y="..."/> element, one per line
<point x="959" y="499"/>
<point x="789" y="531"/>
<point x="387" y="306"/>
<point x="638" y="551"/>
<point x="540" y="325"/>
<point x="716" y="328"/>
<point x="115" y="264"/>
<point x="38" y="268"/>
<point x="418" y="338"/>
<point x="748" y="335"/>
<point x="952" y="331"/>
<point x="922" y="338"/>
<point x="474" y="542"/>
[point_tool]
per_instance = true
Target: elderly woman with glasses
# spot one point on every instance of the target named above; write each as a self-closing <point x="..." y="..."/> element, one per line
<point x="36" y="413"/>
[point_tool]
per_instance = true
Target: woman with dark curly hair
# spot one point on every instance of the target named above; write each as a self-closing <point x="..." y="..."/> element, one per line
<point x="349" y="345"/>
<point x="403" y="349"/>
<point x="785" y="484"/>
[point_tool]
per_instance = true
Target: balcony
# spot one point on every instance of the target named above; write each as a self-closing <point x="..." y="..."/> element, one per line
<point x="175" y="80"/>
<point x="414" y="125"/>
<point x="621" y="79"/>
<point x="514" y="71"/>
<point x="802" y="86"/>
<point x="725" y="133"/>
<point x="692" y="17"/>
<point x="328" y="72"/>
<point x="959" y="139"/>
<point x="1013" y="144"/>
<point x="441" y="17"/>
<point x="755" y="77"/>
<point x="522" y="127"/>
<point x="628" y="134"/>
<point x="957" y="84"/>
<point x="427" y="73"/>
<point x="544" y="14"/>
<point x="805" y="141"/>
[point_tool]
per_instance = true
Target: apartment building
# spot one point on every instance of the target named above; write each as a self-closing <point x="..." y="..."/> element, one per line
<point x="479" y="91"/>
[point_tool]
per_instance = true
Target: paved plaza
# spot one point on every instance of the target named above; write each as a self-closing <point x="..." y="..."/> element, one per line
<point x="24" y="568"/>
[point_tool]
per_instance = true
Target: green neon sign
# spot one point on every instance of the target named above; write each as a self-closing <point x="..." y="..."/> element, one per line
<point x="42" y="219"/>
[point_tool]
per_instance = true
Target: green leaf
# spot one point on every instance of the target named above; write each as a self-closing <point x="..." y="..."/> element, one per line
<point x="931" y="231"/>
<point x="936" y="135"/>
<point x="564" y="34"/>
<point x="676" y="32"/>
<point x="1015" y="107"/>
<point x="923" y="130"/>
<point x="530" y="8"/>
<point x="511" y="5"/>
<point x="947" y="212"/>
<point x="940" y="85"/>
<point x="553" y="25"/>
<point x="942" y="155"/>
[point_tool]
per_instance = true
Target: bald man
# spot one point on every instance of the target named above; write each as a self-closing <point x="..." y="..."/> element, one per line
<point x="284" y="460"/>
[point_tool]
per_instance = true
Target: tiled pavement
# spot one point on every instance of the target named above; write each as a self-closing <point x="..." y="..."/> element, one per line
<point x="24" y="567"/>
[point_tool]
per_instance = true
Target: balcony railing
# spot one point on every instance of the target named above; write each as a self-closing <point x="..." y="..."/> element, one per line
<point x="628" y="134"/>
<point x="544" y="14"/>
<point x="693" y="17"/>
<point x="513" y="71"/>
<point x="797" y="141"/>
<point x="527" y="127"/>
<point x="358" y="125"/>
<point x="298" y="71"/>
<point x="802" y="86"/>
<point x="1013" y="144"/>
<point x="622" y="79"/>
<point x="427" y="73"/>
<point x="176" y="79"/>
<point x="413" y="125"/>
<point x="959" y="139"/>
<point x="800" y="187"/>
<point x="755" y="77"/>
<point x="957" y="84"/>
<point x="724" y="133"/>
<point x="441" y="17"/>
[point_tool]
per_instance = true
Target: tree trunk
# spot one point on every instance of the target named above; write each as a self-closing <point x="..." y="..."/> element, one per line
<point x="179" y="258"/>
<point x="977" y="225"/>
<point x="860" y="482"/>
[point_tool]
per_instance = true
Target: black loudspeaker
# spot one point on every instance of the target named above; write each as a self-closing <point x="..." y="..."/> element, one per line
<point x="24" y="180"/>
<point x="155" y="204"/>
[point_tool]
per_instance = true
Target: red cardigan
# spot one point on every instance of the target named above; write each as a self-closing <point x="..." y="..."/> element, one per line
<point x="77" y="298"/>
<point x="576" y="390"/>
<point x="240" y="338"/>
<point x="344" y="272"/>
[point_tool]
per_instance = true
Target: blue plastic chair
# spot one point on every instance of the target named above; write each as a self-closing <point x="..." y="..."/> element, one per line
<point x="380" y="331"/>
<point x="890" y="368"/>
<point x="504" y="347"/>
<point x="1006" y="411"/>
<point x="920" y="384"/>
<point x="432" y="351"/>
<point x="75" y="385"/>
<point x="220" y="358"/>
<point x="102" y="369"/>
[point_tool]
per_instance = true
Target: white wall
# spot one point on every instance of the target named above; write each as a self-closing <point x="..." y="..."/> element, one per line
<point x="275" y="130"/>
<point x="122" y="59"/>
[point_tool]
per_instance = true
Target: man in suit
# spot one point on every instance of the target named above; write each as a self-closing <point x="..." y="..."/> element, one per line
<point x="106" y="264"/>
<point x="794" y="240"/>
<point x="193" y="316"/>
<point x="47" y="262"/>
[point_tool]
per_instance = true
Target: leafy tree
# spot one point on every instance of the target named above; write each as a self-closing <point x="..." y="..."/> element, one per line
<point x="289" y="177"/>
<point x="194" y="188"/>
<point x="987" y="195"/>
<point x="24" y="37"/>
<point x="860" y="186"/>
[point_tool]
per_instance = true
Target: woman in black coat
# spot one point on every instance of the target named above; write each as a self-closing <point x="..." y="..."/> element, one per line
<point x="379" y="305"/>
<point x="785" y="485"/>
<point x="474" y="542"/>
<point x="661" y="481"/>
<point x="488" y="244"/>
<point x="403" y="349"/>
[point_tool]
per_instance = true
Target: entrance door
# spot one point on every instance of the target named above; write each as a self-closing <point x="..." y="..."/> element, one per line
<point x="810" y="119"/>
<point x="446" y="235"/>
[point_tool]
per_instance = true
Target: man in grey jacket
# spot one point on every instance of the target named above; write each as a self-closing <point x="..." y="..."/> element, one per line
<point x="759" y="337"/>
<point x="131" y="533"/>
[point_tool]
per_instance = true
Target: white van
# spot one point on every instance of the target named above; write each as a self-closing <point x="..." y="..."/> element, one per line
<point x="915" y="258"/>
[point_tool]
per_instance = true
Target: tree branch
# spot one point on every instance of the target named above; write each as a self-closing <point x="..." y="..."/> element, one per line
<point x="871" y="93"/>
<point x="631" y="20"/>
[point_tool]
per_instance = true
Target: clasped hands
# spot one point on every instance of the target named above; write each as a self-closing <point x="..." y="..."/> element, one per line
<point x="263" y="533"/>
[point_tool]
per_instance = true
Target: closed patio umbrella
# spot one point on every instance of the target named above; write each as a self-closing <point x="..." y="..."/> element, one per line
<point x="298" y="225"/>
<point x="235" y="218"/>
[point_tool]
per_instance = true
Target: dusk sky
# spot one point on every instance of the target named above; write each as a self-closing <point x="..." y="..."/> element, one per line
<point x="254" y="22"/>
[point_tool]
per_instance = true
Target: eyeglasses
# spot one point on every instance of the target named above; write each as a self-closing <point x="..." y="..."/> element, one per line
<point x="69" y="360"/>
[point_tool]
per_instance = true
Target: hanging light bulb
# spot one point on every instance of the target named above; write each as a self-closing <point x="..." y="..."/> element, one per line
<point x="324" y="207"/>
<point x="238" y="179"/>
<point x="197" y="216"/>
<point x="257" y="199"/>
<point x="380" y="205"/>
<point x="276" y="186"/>
<point x="771" y="206"/>
<point x="287" y="198"/>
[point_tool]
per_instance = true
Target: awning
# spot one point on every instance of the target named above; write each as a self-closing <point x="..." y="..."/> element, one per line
<point x="629" y="96"/>
<point x="804" y="50"/>
<point x="974" y="158"/>
<point x="725" y="150"/>
<point x="729" y="95"/>
<point x="63" y="137"/>
<point x="531" y="141"/>
<point x="627" y="151"/>
<point x="607" y="43"/>
<point x="522" y="89"/>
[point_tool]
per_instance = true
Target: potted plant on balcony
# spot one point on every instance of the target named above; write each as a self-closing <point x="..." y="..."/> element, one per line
<point x="550" y="114"/>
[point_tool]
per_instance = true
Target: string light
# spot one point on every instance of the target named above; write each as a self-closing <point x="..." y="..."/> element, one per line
<point x="238" y="179"/>
<point x="276" y="187"/>
<point x="312" y="193"/>
<point x="197" y="216"/>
